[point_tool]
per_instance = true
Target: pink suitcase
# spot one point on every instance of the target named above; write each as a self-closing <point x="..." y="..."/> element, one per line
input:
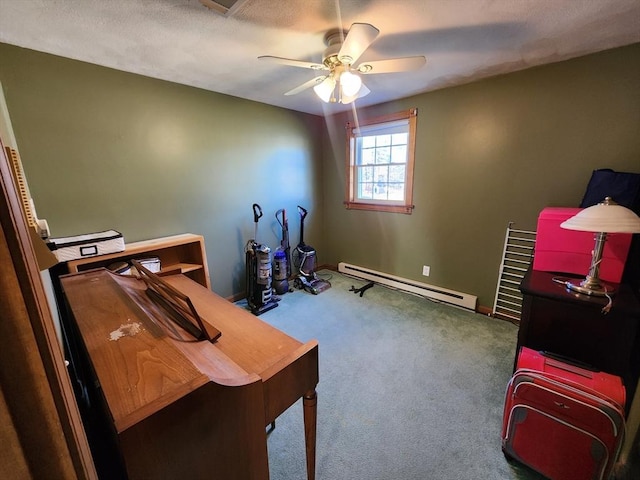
<point x="563" y="420"/>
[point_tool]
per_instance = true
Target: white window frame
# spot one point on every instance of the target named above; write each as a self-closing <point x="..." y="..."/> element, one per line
<point x="403" y="121"/>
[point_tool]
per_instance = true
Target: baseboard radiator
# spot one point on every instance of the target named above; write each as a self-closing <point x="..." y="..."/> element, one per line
<point x="452" y="297"/>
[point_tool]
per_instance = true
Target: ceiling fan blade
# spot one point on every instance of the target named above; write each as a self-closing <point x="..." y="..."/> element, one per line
<point x="293" y="63"/>
<point x="360" y="36"/>
<point x="311" y="83"/>
<point x="392" y="65"/>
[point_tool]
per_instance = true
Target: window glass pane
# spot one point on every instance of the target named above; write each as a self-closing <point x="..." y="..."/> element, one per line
<point x="383" y="154"/>
<point x="396" y="173"/>
<point x="399" y="154"/>
<point x="365" y="191"/>
<point x="399" y="138"/>
<point x="380" y="191"/>
<point x="396" y="191"/>
<point x="368" y="156"/>
<point x="383" y="140"/>
<point x="368" y="142"/>
<point x="381" y="174"/>
<point x="365" y="174"/>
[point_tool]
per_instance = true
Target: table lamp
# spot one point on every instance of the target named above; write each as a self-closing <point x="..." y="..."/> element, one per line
<point x="604" y="218"/>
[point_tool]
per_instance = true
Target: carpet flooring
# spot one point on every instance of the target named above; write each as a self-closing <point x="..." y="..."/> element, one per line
<point x="409" y="388"/>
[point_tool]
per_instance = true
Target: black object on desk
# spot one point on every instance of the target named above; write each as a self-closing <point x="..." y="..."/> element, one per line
<point x="557" y="320"/>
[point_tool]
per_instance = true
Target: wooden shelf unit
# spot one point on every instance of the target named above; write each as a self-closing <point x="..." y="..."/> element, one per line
<point x="184" y="253"/>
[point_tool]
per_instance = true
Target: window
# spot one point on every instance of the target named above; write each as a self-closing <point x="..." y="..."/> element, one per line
<point x="380" y="155"/>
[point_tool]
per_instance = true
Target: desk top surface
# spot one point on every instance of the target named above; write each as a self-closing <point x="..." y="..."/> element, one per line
<point x="144" y="363"/>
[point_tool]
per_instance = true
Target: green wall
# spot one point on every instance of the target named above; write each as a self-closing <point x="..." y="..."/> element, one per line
<point x="488" y="153"/>
<point x="103" y="149"/>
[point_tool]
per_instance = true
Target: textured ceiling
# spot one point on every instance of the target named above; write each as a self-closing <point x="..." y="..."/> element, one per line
<point x="183" y="41"/>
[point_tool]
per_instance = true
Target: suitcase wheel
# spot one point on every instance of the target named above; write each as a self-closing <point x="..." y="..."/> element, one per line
<point x="508" y="457"/>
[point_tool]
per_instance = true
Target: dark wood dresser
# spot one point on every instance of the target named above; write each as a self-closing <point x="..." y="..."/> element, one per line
<point x="557" y="320"/>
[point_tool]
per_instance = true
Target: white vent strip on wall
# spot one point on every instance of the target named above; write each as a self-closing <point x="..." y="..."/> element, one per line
<point x="452" y="297"/>
<point x="516" y="259"/>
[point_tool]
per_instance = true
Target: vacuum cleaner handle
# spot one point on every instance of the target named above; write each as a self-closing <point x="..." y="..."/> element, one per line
<point x="257" y="212"/>
<point x="303" y="213"/>
<point x="284" y="222"/>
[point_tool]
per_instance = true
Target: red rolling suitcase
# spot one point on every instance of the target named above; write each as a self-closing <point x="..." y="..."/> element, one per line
<point x="563" y="420"/>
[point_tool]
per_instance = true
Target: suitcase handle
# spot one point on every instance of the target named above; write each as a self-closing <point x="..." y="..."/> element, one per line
<point x="568" y="364"/>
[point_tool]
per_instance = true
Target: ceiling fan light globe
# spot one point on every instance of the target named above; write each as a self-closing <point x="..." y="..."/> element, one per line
<point x="324" y="90"/>
<point x="350" y="84"/>
<point x="364" y="91"/>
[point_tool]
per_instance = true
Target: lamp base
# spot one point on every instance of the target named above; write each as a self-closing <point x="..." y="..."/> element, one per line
<point x="591" y="286"/>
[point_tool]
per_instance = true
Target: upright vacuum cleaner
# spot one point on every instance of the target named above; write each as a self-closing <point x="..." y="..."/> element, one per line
<point x="305" y="262"/>
<point x="282" y="257"/>
<point x="258" y="273"/>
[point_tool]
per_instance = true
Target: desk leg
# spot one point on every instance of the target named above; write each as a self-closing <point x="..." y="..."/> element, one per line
<point x="310" y="408"/>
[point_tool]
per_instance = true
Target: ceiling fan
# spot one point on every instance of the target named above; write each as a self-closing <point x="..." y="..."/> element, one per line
<point x="340" y="79"/>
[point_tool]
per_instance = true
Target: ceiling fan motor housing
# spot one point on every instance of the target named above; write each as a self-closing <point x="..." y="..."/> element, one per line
<point x="333" y="39"/>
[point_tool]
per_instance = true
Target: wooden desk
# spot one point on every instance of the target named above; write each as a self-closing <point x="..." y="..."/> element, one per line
<point x="571" y="324"/>
<point x="181" y="408"/>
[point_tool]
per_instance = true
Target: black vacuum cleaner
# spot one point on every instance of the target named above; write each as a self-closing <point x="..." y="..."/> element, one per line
<point x="258" y="271"/>
<point x="305" y="262"/>
<point x="282" y="257"/>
